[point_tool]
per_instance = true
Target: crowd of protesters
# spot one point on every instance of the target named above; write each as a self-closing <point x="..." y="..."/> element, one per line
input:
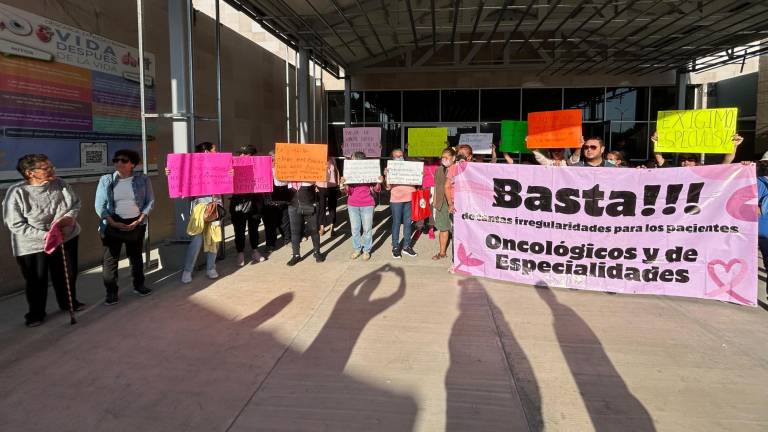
<point x="43" y="207"/>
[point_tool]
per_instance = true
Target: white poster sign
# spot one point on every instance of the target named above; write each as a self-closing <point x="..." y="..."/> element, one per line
<point x="404" y="172"/>
<point x="362" y="171"/>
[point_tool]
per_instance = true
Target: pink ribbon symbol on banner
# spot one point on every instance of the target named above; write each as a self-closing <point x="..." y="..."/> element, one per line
<point x="727" y="288"/>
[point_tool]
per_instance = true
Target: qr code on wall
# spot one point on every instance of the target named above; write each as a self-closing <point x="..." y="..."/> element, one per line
<point x="93" y="155"/>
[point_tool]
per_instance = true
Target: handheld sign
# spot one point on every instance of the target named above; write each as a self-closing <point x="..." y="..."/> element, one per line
<point x="513" y="135"/>
<point x="696" y="131"/>
<point x="554" y="129"/>
<point x="481" y="143"/>
<point x="404" y="172"/>
<point x="427" y="141"/>
<point x="362" y="171"/>
<point x="300" y="162"/>
<point x="364" y="139"/>
<point x="253" y="174"/>
<point x="198" y="174"/>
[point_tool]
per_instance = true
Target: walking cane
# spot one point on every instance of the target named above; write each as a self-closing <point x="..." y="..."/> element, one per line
<point x="72" y="320"/>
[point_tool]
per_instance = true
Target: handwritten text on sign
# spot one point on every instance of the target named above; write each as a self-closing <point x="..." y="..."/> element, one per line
<point x="427" y="141"/>
<point x="480" y="142"/>
<point x="681" y="231"/>
<point x="253" y="174"/>
<point x="404" y="172"/>
<point x="697" y="131"/>
<point x="554" y="129"/>
<point x="362" y="171"/>
<point x="198" y="174"/>
<point x="301" y="162"/>
<point x="363" y="139"/>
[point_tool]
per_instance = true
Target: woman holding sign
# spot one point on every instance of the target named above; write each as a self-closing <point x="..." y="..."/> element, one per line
<point x="32" y="209"/>
<point x="360" y="205"/>
<point x="246" y="210"/>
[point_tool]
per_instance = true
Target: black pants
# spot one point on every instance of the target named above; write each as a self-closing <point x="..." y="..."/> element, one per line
<point x="328" y="199"/>
<point x="35" y="268"/>
<point x="133" y="248"/>
<point x="276" y="219"/>
<point x="239" y="222"/>
<point x="297" y="225"/>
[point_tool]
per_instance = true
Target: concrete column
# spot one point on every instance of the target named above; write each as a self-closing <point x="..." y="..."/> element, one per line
<point x="347" y="100"/>
<point x="761" y="129"/>
<point x="303" y="90"/>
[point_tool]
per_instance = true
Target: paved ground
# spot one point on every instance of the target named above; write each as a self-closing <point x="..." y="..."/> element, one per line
<point x="392" y="345"/>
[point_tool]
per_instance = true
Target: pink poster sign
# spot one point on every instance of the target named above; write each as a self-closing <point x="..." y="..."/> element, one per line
<point x="688" y="232"/>
<point x="364" y="139"/>
<point x="198" y="174"/>
<point x="253" y="174"/>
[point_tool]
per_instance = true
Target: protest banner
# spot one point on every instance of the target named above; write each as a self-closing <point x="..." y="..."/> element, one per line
<point x="404" y="172"/>
<point x="481" y="143"/>
<point x="513" y="135"/>
<point x="688" y="232"/>
<point x="696" y="131"/>
<point x="554" y="129"/>
<point x="362" y="171"/>
<point x="253" y="174"/>
<point x="198" y="174"/>
<point x="427" y="141"/>
<point x="364" y="139"/>
<point x="301" y="162"/>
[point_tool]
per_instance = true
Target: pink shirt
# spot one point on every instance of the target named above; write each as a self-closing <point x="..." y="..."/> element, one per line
<point x="428" y="179"/>
<point x="359" y="195"/>
<point x="401" y="193"/>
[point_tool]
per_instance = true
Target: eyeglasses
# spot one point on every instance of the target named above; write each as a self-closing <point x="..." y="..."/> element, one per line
<point x="120" y="160"/>
<point x="589" y="147"/>
<point x="44" y="168"/>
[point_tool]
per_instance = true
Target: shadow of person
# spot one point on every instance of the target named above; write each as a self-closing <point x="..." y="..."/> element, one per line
<point x="310" y="391"/>
<point x="487" y="389"/>
<point x="611" y="405"/>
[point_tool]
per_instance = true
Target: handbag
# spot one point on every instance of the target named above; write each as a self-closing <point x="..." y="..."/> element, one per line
<point x="213" y="212"/>
<point x="307" y="209"/>
<point x="420" y="208"/>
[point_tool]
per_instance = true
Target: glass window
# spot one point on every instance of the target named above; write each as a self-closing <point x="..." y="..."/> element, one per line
<point x="390" y="138"/>
<point x="593" y="129"/>
<point x="541" y="100"/>
<point x="588" y="100"/>
<point x="335" y="106"/>
<point x="631" y="139"/>
<point x="421" y="106"/>
<point x="335" y="140"/>
<point x="499" y="104"/>
<point x="662" y="99"/>
<point x="626" y="103"/>
<point x="739" y="92"/>
<point x="459" y="105"/>
<point x="382" y="106"/>
<point x="494" y="128"/>
<point x="356" y="112"/>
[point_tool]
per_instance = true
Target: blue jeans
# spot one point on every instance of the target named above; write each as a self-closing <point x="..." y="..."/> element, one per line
<point x="361" y="217"/>
<point x="193" y="249"/>
<point x="401" y="214"/>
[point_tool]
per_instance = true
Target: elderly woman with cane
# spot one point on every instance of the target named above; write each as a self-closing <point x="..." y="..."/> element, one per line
<point x="31" y="209"/>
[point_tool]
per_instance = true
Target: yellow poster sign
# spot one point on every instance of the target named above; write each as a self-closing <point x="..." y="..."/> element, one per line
<point x="696" y="131"/>
<point x="427" y="141"/>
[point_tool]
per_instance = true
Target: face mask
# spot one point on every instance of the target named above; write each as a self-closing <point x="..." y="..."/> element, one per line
<point x="398" y="158"/>
<point x="612" y="162"/>
<point x="446" y="162"/>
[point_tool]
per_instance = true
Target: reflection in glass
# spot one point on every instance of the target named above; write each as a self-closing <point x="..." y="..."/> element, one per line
<point x="588" y="100"/>
<point x="630" y="138"/>
<point x="626" y="103"/>
<point x="534" y="100"/>
<point x="499" y="104"/>
<point x="421" y="106"/>
<point x="382" y="106"/>
<point x="459" y="105"/>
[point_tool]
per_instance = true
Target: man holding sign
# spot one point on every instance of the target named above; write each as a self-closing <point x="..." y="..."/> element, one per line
<point x="400" y="205"/>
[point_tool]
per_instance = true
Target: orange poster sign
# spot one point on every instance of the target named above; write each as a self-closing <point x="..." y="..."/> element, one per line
<point x="554" y="129"/>
<point x="300" y="162"/>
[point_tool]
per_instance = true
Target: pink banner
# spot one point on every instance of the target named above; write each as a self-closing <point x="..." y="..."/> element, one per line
<point x="198" y="174"/>
<point x="253" y="174"/>
<point x="688" y="232"/>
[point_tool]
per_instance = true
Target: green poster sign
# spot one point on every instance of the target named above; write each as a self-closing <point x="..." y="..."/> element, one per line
<point x="513" y="133"/>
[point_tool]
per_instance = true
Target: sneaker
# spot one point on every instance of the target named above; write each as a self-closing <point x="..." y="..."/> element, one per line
<point x="212" y="274"/>
<point x="319" y="257"/>
<point x="410" y="252"/>
<point x="396" y="254"/>
<point x="142" y="291"/>
<point x="366" y="256"/>
<point x="111" y="299"/>
<point x="257" y="257"/>
<point x="240" y="259"/>
<point x="33" y="322"/>
<point x="294" y="260"/>
<point x="186" y="277"/>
